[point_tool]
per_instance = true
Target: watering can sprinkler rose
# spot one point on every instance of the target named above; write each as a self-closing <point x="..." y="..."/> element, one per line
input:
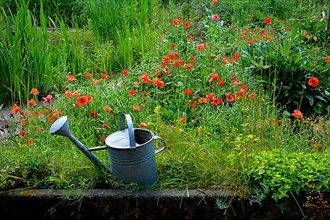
<point x="131" y="151"/>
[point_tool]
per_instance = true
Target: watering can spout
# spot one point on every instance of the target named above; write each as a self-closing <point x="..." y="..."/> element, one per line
<point x="61" y="127"/>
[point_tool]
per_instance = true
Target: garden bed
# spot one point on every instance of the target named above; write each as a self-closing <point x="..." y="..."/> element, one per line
<point x="149" y="204"/>
<point x="238" y="90"/>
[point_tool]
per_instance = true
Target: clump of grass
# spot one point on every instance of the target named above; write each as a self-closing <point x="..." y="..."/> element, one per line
<point x="32" y="56"/>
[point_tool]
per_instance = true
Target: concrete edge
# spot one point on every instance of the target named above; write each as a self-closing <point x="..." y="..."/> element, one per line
<point x="145" y="204"/>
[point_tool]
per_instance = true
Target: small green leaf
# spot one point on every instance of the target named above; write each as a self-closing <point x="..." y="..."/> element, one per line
<point x="320" y="98"/>
<point x="310" y="100"/>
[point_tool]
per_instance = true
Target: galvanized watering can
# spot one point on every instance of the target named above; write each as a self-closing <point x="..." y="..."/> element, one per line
<point x="131" y="151"/>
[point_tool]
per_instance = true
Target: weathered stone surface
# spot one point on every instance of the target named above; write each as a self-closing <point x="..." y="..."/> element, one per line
<point x="144" y="204"/>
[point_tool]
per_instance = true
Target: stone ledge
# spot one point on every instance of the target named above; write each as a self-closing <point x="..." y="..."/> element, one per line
<point x="143" y="204"/>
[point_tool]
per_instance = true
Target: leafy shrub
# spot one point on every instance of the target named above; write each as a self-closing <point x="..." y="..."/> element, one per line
<point x="284" y="67"/>
<point x="285" y="172"/>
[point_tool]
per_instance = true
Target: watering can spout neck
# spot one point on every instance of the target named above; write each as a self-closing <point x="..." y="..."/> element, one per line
<point x="61" y="127"/>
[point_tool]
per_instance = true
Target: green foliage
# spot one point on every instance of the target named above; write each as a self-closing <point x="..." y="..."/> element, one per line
<point x="285" y="172"/>
<point x="285" y="66"/>
<point x="70" y="11"/>
<point x="31" y="56"/>
<point x="127" y="23"/>
<point x="211" y="88"/>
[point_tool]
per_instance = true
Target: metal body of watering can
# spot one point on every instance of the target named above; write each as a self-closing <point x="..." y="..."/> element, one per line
<point x="131" y="151"/>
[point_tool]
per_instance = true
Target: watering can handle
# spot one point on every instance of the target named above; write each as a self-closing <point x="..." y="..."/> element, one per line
<point x="163" y="147"/>
<point x="128" y="119"/>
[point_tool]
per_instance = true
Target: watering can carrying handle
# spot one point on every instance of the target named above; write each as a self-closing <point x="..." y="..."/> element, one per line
<point x="163" y="147"/>
<point x="128" y="119"/>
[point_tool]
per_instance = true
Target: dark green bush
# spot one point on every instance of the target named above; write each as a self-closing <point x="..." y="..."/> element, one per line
<point x="284" y="67"/>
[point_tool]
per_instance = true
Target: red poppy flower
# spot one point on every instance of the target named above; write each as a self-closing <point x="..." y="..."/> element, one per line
<point x="26" y="112"/>
<point x="226" y="60"/>
<point x="173" y="46"/>
<point x="166" y="59"/>
<point x="168" y="72"/>
<point x="94" y="114"/>
<point x="201" y="46"/>
<point x="217" y="102"/>
<point x="210" y="96"/>
<point x="46" y="112"/>
<point x="188" y="92"/>
<point x="236" y="57"/>
<point x="138" y="107"/>
<point x="183" y="119"/>
<point x="189" y="66"/>
<point x="132" y="92"/>
<point x="76" y="93"/>
<point x="142" y="125"/>
<point x="22" y="134"/>
<point x="221" y="82"/>
<point x="68" y="94"/>
<point x="297" y="114"/>
<point x="51" y="119"/>
<point x="244" y="88"/>
<point x="235" y="81"/>
<point x="327" y="59"/>
<point x="163" y="65"/>
<point x="172" y="55"/>
<point x="230" y="97"/>
<point x="95" y="82"/>
<point x="187" y="24"/>
<point x="159" y="83"/>
<point x="104" y="76"/>
<point x="252" y="95"/>
<point x="57" y="114"/>
<point x="70" y="78"/>
<point x="31" y="102"/>
<point x="107" y="108"/>
<point x="145" y="78"/>
<point x="177" y="63"/>
<point x="30" y="141"/>
<point x="34" y="91"/>
<point x="313" y="81"/>
<point x="268" y="21"/>
<point x="36" y="114"/>
<point x="88" y="75"/>
<point x="215" y="17"/>
<point x="214" y="2"/>
<point x="177" y="21"/>
<point x="202" y="100"/>
<point x="214" y="77"/>
<point x="246" y="31"/>
<point x="192" y="59"/>
<point x="125" y="72"/>
<point x="250" y="41"/>
<point x="192" y="104"/>
<point x="23" y="122"/>
<point x="136" y="84"/>
<point x="83" y="100"/>
<point x="15" y="109"/>
<point x="48" y="99"/>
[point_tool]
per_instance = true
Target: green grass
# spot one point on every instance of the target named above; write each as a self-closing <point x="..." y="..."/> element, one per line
<point x="185" y="94"/>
